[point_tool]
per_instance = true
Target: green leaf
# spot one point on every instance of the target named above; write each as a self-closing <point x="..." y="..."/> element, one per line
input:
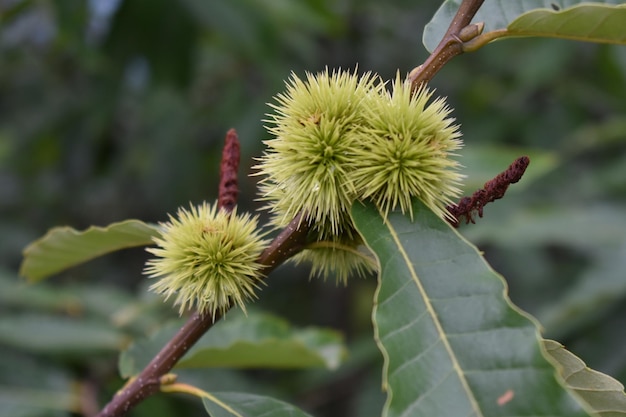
<point x="453" y="343"/>
<point x="36" y="386"/>
<point x="482" y="163"/>
<point x="604" y="394"/>
<point x="255" y="341"/>
<point x="102" y="301"/>
<point x="596" y="24"/>
<point x="229" y="404"/>
<point x="59" y="335"/>
<point x="588" y="22"/>
<point x="64" y="247"/>
<point x="16" y="294"/>
<point x="585" y="227"/>
<point x="264" y="341"/>
<point x="599" y="289"/>
<point x="18" y="401"/>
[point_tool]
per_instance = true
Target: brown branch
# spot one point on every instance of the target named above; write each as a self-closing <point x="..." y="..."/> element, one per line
<point x="289" y="242"/>
<point x="451" y="44"/>
<point x="493" y="190"/>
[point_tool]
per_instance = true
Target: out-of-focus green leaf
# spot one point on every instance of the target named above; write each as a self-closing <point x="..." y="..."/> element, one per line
<point x="604" y="394"/>
<point x="35" y="386"/>
<point x="24" y="402"/>
<point x="497" y="14"/>
<point x="453" y="342"/>
<point x="482" y="163"/>
<point x="105" y="303"/>
<point x="267" y="342"/>
<point x="600" y="287"/>
<point x="64" y="247"/>
<point x="587" y="22"/>
<point x="229" y="404"/>
<point x="255" y="28"/>
<point x="253" y="341"/>
<point x="581" y="227"/>
<point x="606" y="132"/>
<point x="162" y="33"/>
<point x="137" y="355"/>
<point x="100" y="300"/>
<point x="19" y="294"/>
<point x="58" y="335"/>
<point x="11" y="11"/>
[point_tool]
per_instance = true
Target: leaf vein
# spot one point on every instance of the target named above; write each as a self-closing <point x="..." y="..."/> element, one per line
<point x="433" y="315"/>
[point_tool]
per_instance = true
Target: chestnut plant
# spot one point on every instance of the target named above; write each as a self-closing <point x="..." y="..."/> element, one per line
<point x="361" y="176"/>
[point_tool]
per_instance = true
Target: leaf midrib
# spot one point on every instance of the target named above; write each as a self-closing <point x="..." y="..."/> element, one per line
<point x="433" y="315"/>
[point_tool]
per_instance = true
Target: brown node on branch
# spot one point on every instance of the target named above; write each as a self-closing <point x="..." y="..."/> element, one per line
<point x="228" y="189"/>
<point x="492" y="190"/>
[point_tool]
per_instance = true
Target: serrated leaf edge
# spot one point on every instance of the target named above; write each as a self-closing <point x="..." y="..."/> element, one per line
<point x="551" y="345"/>
<point x="64" y="232"/>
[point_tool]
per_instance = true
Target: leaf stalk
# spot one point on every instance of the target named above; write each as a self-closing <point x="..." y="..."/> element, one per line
<point x="451" y="45"/>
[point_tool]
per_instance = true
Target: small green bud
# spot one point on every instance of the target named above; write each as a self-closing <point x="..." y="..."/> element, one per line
<point x="208" y="258"/>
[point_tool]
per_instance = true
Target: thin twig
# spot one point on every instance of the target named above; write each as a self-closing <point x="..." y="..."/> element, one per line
<point x="450" y="46"/>
<point x="285" y="245"/>
<point x="493" y="190"/>
<point x="289" y="242"/>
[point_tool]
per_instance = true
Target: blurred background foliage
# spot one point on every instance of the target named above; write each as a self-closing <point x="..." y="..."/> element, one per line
<point x="113" y="109"/>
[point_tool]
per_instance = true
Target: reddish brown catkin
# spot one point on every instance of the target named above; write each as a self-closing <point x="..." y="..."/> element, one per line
<point x="228" y="189"/>
<point x="493" y="189"/>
